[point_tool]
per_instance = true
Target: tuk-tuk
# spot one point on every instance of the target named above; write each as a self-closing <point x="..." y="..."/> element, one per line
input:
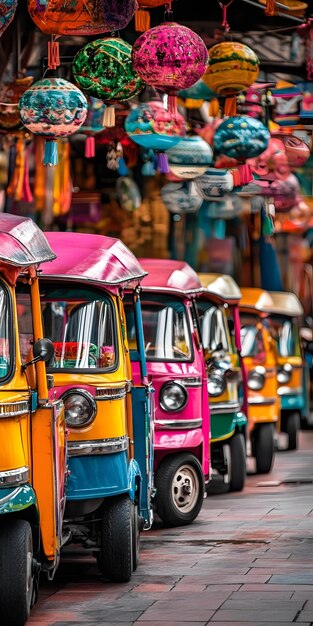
<point x="259" y="354"/>
<point x="221" y="295"/>
<point x="109" y="419"/>
<point x="292" y="373"/>
<point x="176" y="365"/>
<point x="32" y="426"/>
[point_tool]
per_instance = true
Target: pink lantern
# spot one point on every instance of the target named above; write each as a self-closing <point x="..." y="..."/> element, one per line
<point x="170" y="57"/>
<point x="297" y="151"/>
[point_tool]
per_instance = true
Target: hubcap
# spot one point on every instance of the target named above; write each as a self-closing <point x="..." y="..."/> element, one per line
<point x="185" y="488"/>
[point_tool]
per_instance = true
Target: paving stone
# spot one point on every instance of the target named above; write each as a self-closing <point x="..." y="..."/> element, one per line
<point x="247" y="615"/>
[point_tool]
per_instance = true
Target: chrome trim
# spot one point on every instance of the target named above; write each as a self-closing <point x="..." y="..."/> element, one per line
<point x="112" y="393"/>
<point x="261" y="400"/>
<point x="180" y="424"/>
<point x="12" y="409"/>
<point x="189" y="381"/>
<point x="17" y="476"/>
<point x="224" y="407"/>
<point x="101" y="446"/>
<point x="289" y="391"/>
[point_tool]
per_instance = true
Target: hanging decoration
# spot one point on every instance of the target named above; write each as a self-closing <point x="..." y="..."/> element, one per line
<point x="19" y="186"/>
<point x="241" y="137"/>
<point x="93" y="125"/>
<point x="214" y="184"/>
<point x="128" y="194"/>
<point x="78" y="17"/>
<point x="233" y="67"/>
<point x="190" y="157"/>
<point x="8" y="8"/>
<point x="142" y="15"/>
<point x="170" y="57"/>
<point x="297" y="151"/>
<point x="52" y="108"/>
<point x="10" y="95"/>
<point x="152" y="126"/>
<point x="103" y="69"/>
<point x="181" y="197"/>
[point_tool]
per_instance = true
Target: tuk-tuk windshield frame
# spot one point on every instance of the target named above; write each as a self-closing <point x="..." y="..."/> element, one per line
<point x="213" y="326"/>
<point x="86" y="318"/>
<point x="166" y="328"/>
<point x="252" y="340"/>
<point x="7" y="344"/>
<point x="285" y="331"/>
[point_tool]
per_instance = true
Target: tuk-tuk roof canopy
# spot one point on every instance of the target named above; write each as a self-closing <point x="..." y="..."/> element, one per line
<point x="22" y="245"/>
<point x="255" y="299"/>
<point x="170" y="276"/>
<point x="286" y="303"/>
<point x="94" y="258"/>
<point x="221" y="286"/>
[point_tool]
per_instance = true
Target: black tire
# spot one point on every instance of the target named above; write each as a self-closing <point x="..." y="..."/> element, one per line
<point x="16" y="572"/>
<point x="176" y="475"/>
<point x="238" y="469"/>
<point x="264" y="446"/>
<point x="115" y="559"/>
<point x="135" y="538"/>
<point x="291" y="426"/>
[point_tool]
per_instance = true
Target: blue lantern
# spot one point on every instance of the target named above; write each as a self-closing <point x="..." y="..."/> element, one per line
<point x="241" y="137"/>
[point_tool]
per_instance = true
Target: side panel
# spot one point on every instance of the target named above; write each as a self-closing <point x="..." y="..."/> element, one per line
<point x="224" y="425"/>
<point x="143" y="438"/>
<point x="16" y="499"/>
<point x="98" y="476"/>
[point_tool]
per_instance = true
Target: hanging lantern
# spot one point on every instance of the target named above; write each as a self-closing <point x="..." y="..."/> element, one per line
<point x="214" y="184"/>
<point x="152" y="126"/>
<point x="128" y="194"/>
<point x="190" y="158"/>
<point x="297" y="151"/>
<point x="198" y="91"/>
<point x="232" y="67"/>
<point x="103" y="69"/>
<point x="93" y="125"/>
<point x="10" y="95"/>
<point x="170" y="57"/>
<point x="8" y="8"/>
<point x="52" y="108"/>
<point x="181" y="197"/>
<point x="241" y="137"/>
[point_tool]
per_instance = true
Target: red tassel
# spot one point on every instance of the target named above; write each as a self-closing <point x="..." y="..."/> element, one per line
<point x="90" y="147"/>
<point x="53" y="54"/>
<point x="230" y="107"/>
<point x="142" y="20"/>
<point x="26" y="190"/>
<point x="172" y="104"/>
<point x="245" y="174"/>
<point x="270" y="8"/>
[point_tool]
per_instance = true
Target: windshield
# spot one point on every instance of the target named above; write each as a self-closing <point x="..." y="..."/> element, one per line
<point x="5" y="334"/>
<point x="252" y="343"/>
<point x="82" y="331"/>
<point x="166" y="332"/>
<point x="213" y="327"/>
<point x="286" y="334"/>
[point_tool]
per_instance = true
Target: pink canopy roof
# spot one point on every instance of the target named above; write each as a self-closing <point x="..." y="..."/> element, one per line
<point x="165" y="275"/>
<point x="22" y="243"/>
<point x="93" y="258"/>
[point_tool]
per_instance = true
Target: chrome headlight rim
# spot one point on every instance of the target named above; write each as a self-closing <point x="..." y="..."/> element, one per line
<point x="170" y="385"/>
<point x="219" y="380"/>
<point x="256" y="378"/>
<point x="284" y="374"/>
<point x="92" y="406"/>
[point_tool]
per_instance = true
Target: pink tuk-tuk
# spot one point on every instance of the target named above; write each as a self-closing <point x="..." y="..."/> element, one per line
<point x="176" y="365"/>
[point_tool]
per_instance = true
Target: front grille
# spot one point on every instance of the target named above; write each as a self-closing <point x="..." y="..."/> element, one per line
<point x="11" y="409"/>
<point x="115" y="393"/>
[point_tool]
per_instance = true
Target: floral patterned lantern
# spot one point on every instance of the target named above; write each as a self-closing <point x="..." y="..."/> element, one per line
<point x="52" y="108"/>
<point x="103" y="69"/>
<point x="153" y="127"/>
<point x="8" y="8"/>
<point x="233" y="67"/>
<point x="79" y="17"/>
<point x="170" y="57"/>
<point x="241" y="137"/>
<point x="190" y="157"/>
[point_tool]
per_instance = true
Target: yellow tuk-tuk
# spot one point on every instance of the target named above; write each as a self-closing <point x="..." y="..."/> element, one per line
<point x="32" y="426"/>
<point x="292" y="372"/>
<point x="259" y="354"/>
<point x="228" y="422"/>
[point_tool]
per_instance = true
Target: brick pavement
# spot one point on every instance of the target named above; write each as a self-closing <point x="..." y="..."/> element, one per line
<point x="247" y="560"/>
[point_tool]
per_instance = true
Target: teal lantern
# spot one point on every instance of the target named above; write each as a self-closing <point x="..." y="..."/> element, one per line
<point x="241" y="137"/>
<point x="53" y="108"/>
<point x="153" y="127"/>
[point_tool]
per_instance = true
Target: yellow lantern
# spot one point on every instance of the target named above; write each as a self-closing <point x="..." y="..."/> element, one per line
<point x="233" y="67"/>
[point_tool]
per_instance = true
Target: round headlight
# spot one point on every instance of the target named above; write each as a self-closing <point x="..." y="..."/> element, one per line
<point x="173" y="397"/>
<point x="80" y="408"/>
<point x="256" y="379"/>
<point x="284" y="374"/>
<point x="216" y="385"/>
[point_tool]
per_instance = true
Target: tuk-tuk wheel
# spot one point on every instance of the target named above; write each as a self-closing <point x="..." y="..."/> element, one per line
<point x="263" y="447"/>
<point x="115" y="558"/>
<point x="135" y="537"/>
<point x="16" y="572"/>
<point x="238" y="468"/>
<point x="179" y="489"/>
<point x="291" y="426"/>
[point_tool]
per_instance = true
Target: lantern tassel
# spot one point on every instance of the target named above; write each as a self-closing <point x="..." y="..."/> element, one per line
<point x="142" y="21"/>
<point x="109" y="117"/>
<point x="245" y="174"/>
<point x="53" y="54"/>
<point x="270" y="8"/>
<point x="26" y="190"/>
<point x="50" y="153"/>
<point x="90" y="147"/>
<point x="172" y="104"/>
<point x="230" y="107"/>
<point x="163" y="163"/>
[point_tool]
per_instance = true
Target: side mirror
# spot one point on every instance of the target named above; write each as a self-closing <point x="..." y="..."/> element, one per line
<point x="43" y="350"/>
